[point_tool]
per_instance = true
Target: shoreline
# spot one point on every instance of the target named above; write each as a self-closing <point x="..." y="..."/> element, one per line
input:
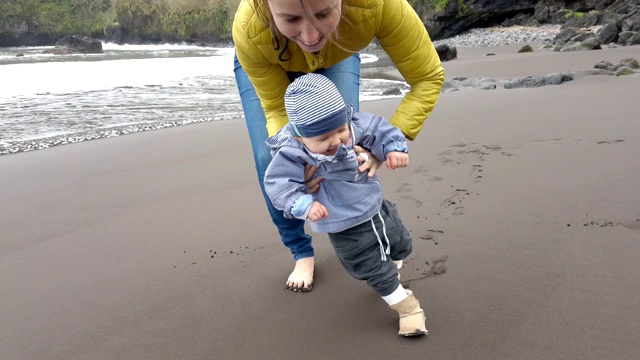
<point x="472" y="63"/>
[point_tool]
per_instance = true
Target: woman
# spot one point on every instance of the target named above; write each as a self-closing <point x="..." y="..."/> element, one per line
<point x="279" y="40"/>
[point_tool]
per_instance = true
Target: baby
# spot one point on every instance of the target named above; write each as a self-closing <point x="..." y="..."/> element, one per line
<point x="365" y="230"/>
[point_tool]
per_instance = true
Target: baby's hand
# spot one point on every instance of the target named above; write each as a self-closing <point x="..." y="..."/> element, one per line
<point x="397" y="159"/>
<point x="317" y="212"/>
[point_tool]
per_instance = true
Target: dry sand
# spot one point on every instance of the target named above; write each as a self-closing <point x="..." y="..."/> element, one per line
<point x="157" y="245"/>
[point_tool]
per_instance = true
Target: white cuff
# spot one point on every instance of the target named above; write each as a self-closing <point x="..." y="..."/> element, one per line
<point x="397" y="296"/>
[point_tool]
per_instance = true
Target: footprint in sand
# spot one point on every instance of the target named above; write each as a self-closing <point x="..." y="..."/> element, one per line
<point x="476" y="173"/>
<point x="633" y="225"/>
<point x="436" y="267"/>
<point x="435" y="178"/>
<point x="421" y="169"/>
<point x="449" y="201"/>
<point x="481" y="153"/>
<point x="493" y="147"/>
<point x="404" y="188"/>
<point x="414" y="201"/>
<point x="430" y="234"/>
<point x="545" y="140"/>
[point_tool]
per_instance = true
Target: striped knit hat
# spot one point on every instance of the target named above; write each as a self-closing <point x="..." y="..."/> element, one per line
<point x="315" y="106"/>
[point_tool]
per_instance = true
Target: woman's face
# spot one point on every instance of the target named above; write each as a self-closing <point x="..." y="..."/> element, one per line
<point x="309" y="29"/>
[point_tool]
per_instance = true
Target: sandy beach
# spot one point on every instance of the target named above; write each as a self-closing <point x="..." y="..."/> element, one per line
<point x="157" y="245"/>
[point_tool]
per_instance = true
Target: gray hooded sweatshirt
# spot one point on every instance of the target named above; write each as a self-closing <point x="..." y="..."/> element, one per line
<point x="350" y="197"/>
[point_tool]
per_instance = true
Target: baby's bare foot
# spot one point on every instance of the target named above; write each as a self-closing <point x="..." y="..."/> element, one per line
<point x="301" y="279"/>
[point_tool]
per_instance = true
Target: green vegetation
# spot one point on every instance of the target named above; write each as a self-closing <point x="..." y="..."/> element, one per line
<point x="429" y="5"/>
<point x="55" y="17"/>
<point x="570" y="14"/>
<point x="439" y="6"/>
<point x="463" y="9"/>
<point x="176" y="20"/>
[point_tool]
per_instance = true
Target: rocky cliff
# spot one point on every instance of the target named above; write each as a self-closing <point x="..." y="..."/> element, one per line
<point x="461" y="15"/>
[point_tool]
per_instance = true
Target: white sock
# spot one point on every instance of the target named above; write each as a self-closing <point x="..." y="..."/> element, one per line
<point x="396" y="296"/>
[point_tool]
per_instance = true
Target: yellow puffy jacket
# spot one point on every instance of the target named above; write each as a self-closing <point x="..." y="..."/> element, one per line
<point x="394" y="23"/>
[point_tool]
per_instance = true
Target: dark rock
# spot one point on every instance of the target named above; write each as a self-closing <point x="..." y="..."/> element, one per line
<point x="525" y="49"/>
<point x="591" y="43"/>
<point x="462" y="82"/>
<point x="581" y="37"/>
<point x="557" y="78"/>
<point x="19" y="55"/>
<point x="531" y="81"/>
<point x="559" y="16"/>
<point x="565" y="35"/>
<point x="592" y="18"/>
<point x="609" y="32"/>
<point x="392" y="91"/>
<point x="631" y="23"/>
<point x="458" y="16"/>
<point x="596" y="72"/>
<point x="541" y="13"/>
<point x="627" y="38"/>
<point x="623" y="70"/>
<point x="76" y="45"/>
<point x="519" y="19"/>
<point x="446" y="52"/>
<point x="537" y="81"/>
<point x="630" y="62"/>
<point x="604" y="65"/>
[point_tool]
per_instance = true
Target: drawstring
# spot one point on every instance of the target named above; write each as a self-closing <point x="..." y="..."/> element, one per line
<point x="383" y="252"/>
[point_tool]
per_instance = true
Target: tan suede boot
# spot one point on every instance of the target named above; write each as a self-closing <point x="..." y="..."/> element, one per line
<point x="412" y="319"/>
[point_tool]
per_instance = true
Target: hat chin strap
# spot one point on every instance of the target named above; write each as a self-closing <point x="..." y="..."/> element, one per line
<point x="295" y="129"/>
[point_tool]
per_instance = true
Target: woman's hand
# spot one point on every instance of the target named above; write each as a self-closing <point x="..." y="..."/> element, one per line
<point x="367" y="161"/>
<point x="313" y="184"/>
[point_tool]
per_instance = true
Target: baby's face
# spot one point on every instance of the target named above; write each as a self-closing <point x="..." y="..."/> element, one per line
<point x="328" y="143"/>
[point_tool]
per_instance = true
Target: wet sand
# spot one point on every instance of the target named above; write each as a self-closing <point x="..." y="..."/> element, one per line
<point x="157" y="245"/>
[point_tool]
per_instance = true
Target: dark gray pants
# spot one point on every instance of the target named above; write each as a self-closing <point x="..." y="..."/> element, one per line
<point x="358" y="248"/>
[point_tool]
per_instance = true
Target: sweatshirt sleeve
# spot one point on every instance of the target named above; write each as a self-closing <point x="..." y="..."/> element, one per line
<point x="285" y="186"/>
<point x="378" y="135"/>
<point x="404" y="38"/>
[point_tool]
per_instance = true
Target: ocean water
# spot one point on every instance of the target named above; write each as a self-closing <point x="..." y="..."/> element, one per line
<point x="49" y="100"/>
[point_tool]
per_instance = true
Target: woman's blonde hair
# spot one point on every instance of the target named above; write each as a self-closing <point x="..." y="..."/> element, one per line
<point x="264" y="13"/>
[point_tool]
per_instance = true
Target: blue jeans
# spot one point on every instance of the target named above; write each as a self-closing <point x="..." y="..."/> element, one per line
<point x="346" y="76"/>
